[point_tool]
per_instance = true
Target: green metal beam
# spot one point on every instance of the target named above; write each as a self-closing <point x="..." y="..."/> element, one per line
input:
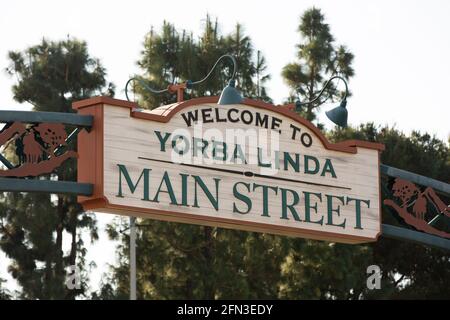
<point x="48" y="186"/>
<point x="398" y="233"/>
<point x="49" y="117"/>
<point x="416" y="178"/>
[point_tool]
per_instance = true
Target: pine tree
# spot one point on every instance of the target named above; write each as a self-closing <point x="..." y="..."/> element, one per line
<point x="172" y="57"/>
<point x="261" y="78"/>
<point x="50" y="76"/>
<point x="319" y="59"/>
<point x="161" y="62"/>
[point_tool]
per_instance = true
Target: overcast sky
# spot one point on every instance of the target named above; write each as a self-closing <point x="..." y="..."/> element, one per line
<point x="402" y="51"/>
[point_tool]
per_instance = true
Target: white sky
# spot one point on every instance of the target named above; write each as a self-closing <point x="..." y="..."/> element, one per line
<point x="402" y="52"/>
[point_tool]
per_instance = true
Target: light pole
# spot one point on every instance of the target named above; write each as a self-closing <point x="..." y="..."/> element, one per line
<point x="132" y="258"/>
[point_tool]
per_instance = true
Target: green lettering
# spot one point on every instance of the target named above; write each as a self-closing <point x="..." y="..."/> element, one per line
<point x="308" y="170"/>
<point x="309" y="206"/>
<point x="162" y="140"/>
<point x="238" y="153"/>
<point x="184" y="189"/>
<point x="289" y="161"/>
<point x="242" y="197"/>
<point x="145" y="173"/>
<point x="265" y="197"/>
<point x="358" y="210"/>
<point x="285" y="206"/>
<point x="330" y="210"/>
<point x="260" y="163"/>
<point x="328" y="167"/>
<point x="214" y="201"/>
<point x="220" y="147"/>
<point x="166" y="180"/>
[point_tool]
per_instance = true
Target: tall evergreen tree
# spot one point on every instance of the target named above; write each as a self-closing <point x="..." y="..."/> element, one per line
<point x="172" y="57"/>
<point x="50" y="76"/>
<point x="261" y="78"/>
<point x="318" y="59"/>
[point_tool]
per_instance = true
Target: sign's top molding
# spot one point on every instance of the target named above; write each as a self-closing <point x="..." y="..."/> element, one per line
<point x="251" y="166"/>
<point x="165" y="113"/>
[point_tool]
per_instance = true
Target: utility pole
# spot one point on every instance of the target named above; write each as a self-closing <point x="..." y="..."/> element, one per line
<point x="132" y="258"/>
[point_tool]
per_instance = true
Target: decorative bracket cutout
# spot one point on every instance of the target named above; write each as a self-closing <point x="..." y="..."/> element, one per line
<point x="413" y="205"/>
<point x="37" y="148"/>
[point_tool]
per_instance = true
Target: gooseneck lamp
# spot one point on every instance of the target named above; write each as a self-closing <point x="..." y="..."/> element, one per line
<point x="339" y="114"/>
<point x="229" y="95"/>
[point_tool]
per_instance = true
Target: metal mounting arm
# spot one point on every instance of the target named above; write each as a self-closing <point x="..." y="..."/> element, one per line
<point x="180" y="87"/>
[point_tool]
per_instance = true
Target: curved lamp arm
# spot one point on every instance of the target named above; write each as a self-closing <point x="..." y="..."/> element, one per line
<point x="325" y="86"/>
<point x="142" y="83"/>
<point x="188" y="83"/>
<point x="229" y="56"/>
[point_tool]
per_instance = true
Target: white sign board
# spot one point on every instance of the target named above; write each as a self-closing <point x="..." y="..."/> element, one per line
<point x="251" y="166"/>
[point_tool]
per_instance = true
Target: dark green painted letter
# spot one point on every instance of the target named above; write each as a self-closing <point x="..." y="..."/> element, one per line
<point x="242" y="197"/>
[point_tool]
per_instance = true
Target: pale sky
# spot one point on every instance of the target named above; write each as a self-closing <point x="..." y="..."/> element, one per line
<point x="402" y="53"/>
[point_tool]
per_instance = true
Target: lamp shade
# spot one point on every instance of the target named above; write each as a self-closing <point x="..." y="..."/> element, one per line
<point x="339" y="114"/>
<point x="230" y="95"/>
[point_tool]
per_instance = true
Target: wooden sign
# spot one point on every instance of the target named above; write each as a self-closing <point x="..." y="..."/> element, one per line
<point x="252" y="166"/>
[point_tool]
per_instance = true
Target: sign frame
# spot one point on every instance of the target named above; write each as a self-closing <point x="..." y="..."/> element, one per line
<point x="91" y="167"/>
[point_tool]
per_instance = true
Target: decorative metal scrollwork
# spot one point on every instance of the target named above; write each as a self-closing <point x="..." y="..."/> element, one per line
<point x="37" y="147"/>
<point x="412" y="206"/>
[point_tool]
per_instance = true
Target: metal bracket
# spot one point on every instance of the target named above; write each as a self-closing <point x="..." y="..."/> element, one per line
<point x="47" y="186"/>
<point x="398" y="233"/>
<point x="410" y="203"/>
<point x="416" y="178"/>
<point x="48" y="117"/>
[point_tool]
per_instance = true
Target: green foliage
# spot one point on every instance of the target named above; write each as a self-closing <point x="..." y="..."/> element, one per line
<point x="320" y="270"/>
<point x="51" y="75"/>
<point x="418" y="153"/>
<point x="172" y="57"/>
<point x="319" y="58"/>
<point x="411" y="271"/>
<point x="179" y="261"/>
<point x="4" y="293"/>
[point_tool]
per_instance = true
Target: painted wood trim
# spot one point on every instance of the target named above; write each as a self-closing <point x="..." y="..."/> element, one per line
<point x="349" y="146"/>
<point x="90" y="149"/>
